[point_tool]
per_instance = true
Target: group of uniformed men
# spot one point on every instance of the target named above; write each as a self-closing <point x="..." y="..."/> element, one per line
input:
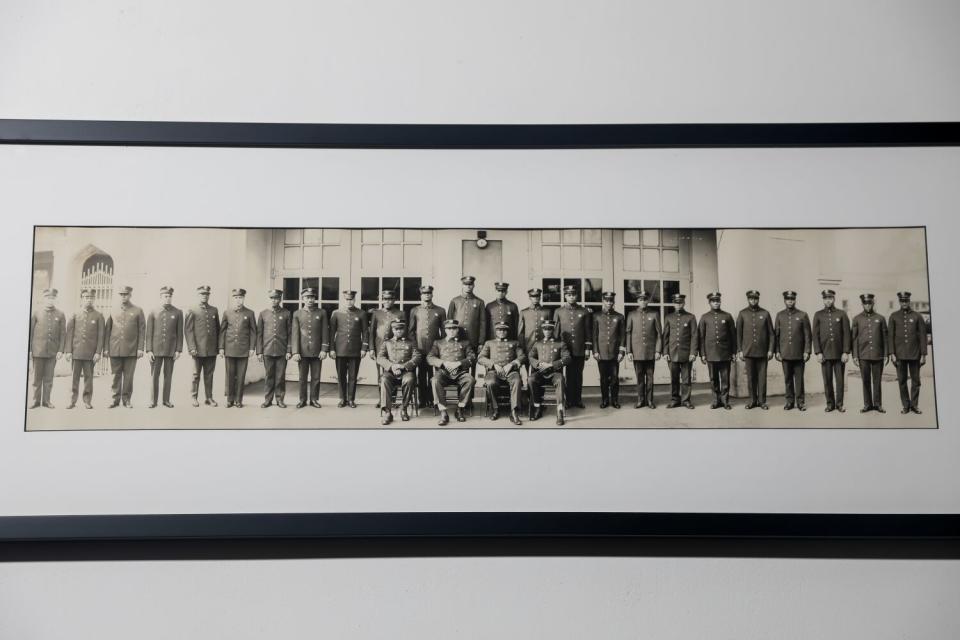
<point x="438" y="349"/>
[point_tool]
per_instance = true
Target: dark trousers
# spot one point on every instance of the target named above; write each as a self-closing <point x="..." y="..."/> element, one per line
<point x="494" y="382"/>
<point x="832" y="371"/>
<point x="165" y="364"/>
<point x="720" y="381"/>
<point x="609" y="379"/>
<point x="203" y="366"/>
<point x="425" y="383"/>
<point x="573" y="378"/>
<point x="347" y="368"/>
<point x="680" y="374"/>
<point x="644" y="372"/>
<point x="793" y="381"/>
<point x="461" y="378"/>
<point x="912" y="368"/>
<point x="235" y="379"/>
<point x="43" y="379"/>
<point x="389" y="381"/>
<point x="122" y="368"/>
<point x="82" y="368"/>
<point x="274" y="377"/>
<point x="756" y="378"/>
<point x="309" y="369"/>
<point x="540" y="379"/>
<point x="871" y="372"/>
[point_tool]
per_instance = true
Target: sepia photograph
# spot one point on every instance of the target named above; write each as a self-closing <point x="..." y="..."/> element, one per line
<point x="446" y="328"/>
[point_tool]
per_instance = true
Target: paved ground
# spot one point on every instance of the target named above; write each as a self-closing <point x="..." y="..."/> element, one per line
<point x="251" y="416"/>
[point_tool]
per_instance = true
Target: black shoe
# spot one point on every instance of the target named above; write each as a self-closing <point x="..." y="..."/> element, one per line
<point x="749" y="405"/>
<point x="281" y="404"/>
<point x="211" y="402"/>
<point x="265" y="404"/>
<point x="71" y="405"/>
<point x="152" y="405"/>
<point x="495" y="414"/>
<point x="301" y="404"/>
<point x="579" y="405"/>
<point x="866" y="409"/>
<point x="239" y="405"/>
<point x="404" y="415"/>
<point x="378" y="405"/>
<point x="49" y="405"/>
<point x="196" y="402"/>
<point x="639" y="405"/>
<point x="788" y="406"/>
<point x="128" y="405"/>
<point x="37" y="404"/>
<point x="801" y="407"/>
<point x="604" y="403"/>
<point x="727" y="407"/>
<point x="560" y="421"/>
<point x="353" y="405"/>
<point x="87" y="405"/>
<point x="673" y="404"/>
<point x="652" y="405"/>
<point x="905" y="411"/>
<point x="764" y="407"/>
<point x="841" y="409"/>
<point x="916" y="410"/>
<point x="387" y="418"/>
<point x="514" y="418"/>
<point x="168" y="405"/>
<point x="341" y="404"/>
<point x="445" y="417"/>
<point x="113" y="405"/>
<point x="316" y="404"/>
<point x="460" y="415"/>
<point x="829" y="408"/>
<point x="715" y="405"/>
<point x="616" y="404"/>
<point x="688" y="405"/>
<point x="880" y="409"/>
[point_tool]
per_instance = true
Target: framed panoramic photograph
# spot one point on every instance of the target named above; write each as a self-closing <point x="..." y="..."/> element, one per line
<point x="260" y="330"/>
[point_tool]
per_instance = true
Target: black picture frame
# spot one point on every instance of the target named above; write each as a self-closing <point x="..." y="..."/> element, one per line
<point x="282" y="535"/>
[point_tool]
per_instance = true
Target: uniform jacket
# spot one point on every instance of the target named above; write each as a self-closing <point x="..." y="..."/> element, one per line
<point x="164" y="331"/>
<point x="310" y="334"/>
<point x="446" y="350"/>
<point x="718" y="336"/>
<point x="125" y="331"/>
<point x="680" y="336"/>
<point x="831" y="333"/>
<point x="574" y="327"/>
<point x="273" y="332"/>
<point x="907" y="332"/>
<point x="348" y="332"/>
<point x="48" y="331"/>
<point x="380" y="330"/>
<point x="755" y="335"/>
<point x="793" y="338"/>
<point x="85" y="331"/>
<point x="553" y="352"/>
<point x="501" y="352"/>
<point x="505" y="311"/>
<point x="868" y="336"/>
<point x="425" y="325"/>
<point x="644" y="334"/>
<point x="399" y="351"/>
<point x="201" y="328"/>
<point x="531" y="320"/>
<point x="609" y="334"/>
<point x="238" y="332"/>
<point x="472" y="315"/>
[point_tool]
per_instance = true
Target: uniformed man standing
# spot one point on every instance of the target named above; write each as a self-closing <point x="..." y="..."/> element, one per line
<point x="755" y="340"/>
<point x="529" y="330"/>
<point x="348" y="335"/>
<point x="274" y="348"/>
<point x="791" y="346"/>
<point x="502" y="310"/>
<point x="163" y="344"/>
<point x="502" y="358"/>
<point x="398" y="357"/>
<point x="452" y="357"/>
<point x="718" y="348"/>
<point x="83" y="345"/>
<point x="426" y="327"/>
<point x="680" y="349"/>
<point x="868" y="340"/>
<point x="644" y="342"/>
<point x="471" y="312"/>
<point x="609" y="342"/>
<point x="311" y="343"/>
<point x="380" y="322"/>
<point x="548" y="357"/>
<point x="124" y="337"/>
<point x="201" y="328"/>
<point x="48" y="329"/>
<point x="575" y="328"/>
<point x="907" y="333"/>
<point x="238" y="341"/>
<point x="831" y="343"/>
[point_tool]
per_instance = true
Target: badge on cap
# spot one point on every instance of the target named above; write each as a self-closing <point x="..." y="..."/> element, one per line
<point x="451" y="324"/>
<point x="534" y="293"/>
<point x="501" y="325"/>
<point x="124" y="291"/>
<point x="349" y="295"/>
<point x="789" y="295"/>
<point x="166" y="290"/>
<point x="753" y="293"/>
<point x="204" y="288"/>
<point x="828" y="293"/>
<point x="468" y="279"/>
<point x="867" y="298"/>
<point x="50" y="293"/>
<point x="609" y="295"/>
<point x="501" y="286"/>
<point x="713" y="295"/>
<point x="308" y="292"/>
<point x="903" y="295"/>
<point x="427" y="288"/>
<point x="238" y="292"/>
<point x="275" y="294"/>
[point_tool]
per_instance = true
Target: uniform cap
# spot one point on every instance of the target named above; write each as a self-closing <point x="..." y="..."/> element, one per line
<point x="713" y="295"/>
<point x="308" y="291"/>
<point x="501" y="286"/>
<point x="570" y="289"/>
<point x="867" y="297"/>
<point x="166" y="290"/>
<point x="349" y="295"/>
<point x="753" y="293"/>
<point x="204" y="288"/>
<point x="679" y="297"/>
<point x="468" y="279"/>
<point x="50" y="293"/>
<point x="609" y="295"/>
<point x="86" y="292"/>
<point x="903" y="295"/>
<point x="789" y="295"/>
<point x="238" y="292"/>
<point x="828" y="293"/>
<point x="124" y="290"/>
<point x="275" y="294"/>
<point x="398" y="323"/>
<point x="451" y="324"/>
<point x="643" y="295"/>
<point x="548" y="324"/>
<point x="501" y="325"/>
<point x="388" y="294"/>
<point x="427" y="288"/>
<point x="534" y="292"/>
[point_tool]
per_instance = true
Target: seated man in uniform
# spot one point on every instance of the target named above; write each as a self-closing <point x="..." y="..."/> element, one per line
<point x="398" y="357"/>
<point x="548" y="357"/>
<point x="452" y="357"/>
<point x="502" y="358"/>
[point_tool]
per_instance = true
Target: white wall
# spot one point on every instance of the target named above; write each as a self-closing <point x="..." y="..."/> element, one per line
<point x="509" y="61"/>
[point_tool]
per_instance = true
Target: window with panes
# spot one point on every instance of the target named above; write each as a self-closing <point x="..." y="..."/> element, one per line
<point x="655" y="252"/>
<point x="391" y="253"/>
<point x="569" y="251"/>
<point x="305" y="256"/>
